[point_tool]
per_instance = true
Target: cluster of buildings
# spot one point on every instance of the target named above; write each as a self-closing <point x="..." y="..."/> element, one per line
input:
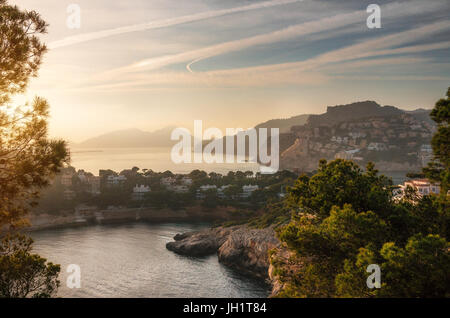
<point x="354" y="138"/>
<point x="139" y="192"/>
<point x="115" y="181"/>
<point x="177" y="185"/>
<point x="246" y="191"/>
<point x="421" y="186"/>
<point x="86" y="181"/>
<point x="73" y="181"/>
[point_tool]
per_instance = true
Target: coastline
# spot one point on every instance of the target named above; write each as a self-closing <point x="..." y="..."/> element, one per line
<point x="238" y="247"/>
<point x="40" y="222"/>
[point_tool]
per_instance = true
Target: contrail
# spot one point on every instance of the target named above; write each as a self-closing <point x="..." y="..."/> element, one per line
<point x="164" y="23"/>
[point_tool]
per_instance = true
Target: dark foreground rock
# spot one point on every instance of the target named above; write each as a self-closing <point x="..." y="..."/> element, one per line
<point x="239" y="247"/>
<point x="199" y="243"/>
<point x="247" y="250"/>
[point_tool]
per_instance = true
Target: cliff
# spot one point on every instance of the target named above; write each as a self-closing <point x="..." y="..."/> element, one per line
<point x="239" y="247"/>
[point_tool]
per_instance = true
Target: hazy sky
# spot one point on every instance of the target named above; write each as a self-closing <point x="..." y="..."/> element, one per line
<point x="234" y="63"/>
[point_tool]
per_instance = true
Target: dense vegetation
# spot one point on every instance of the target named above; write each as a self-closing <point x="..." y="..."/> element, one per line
<point x="27" y="157"/>
<point x="346" y="219"/>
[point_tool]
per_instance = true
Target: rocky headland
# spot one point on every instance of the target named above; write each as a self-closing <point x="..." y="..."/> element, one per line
<point x="239" y="247"/>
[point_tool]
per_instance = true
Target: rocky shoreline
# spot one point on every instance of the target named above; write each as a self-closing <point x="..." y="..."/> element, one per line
<point x="127" y="215"/>
<point x="239" y="247"/>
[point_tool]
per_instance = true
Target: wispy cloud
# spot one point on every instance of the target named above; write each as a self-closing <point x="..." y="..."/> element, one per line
<point x="321" y="26"/>
<point x="241" y="44"/>
<point x="72" y="40"/>
<point x="310" y="71"/>
<point x="379" y="46"/>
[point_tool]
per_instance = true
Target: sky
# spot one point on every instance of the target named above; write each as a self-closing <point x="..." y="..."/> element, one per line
<point x="149" y="64"/>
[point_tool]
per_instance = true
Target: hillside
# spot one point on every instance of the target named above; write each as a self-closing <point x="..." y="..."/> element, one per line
<point x="284" y="124"/>
<point x="130" y="138"/>
<point x="394" y="139"/>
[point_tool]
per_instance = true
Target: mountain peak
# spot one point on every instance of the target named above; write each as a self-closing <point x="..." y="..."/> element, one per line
<point x="351" y="111"/>
<point x="363" y="105"/>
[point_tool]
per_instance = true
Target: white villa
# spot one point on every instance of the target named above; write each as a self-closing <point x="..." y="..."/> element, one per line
<point x="204" y="188"/>
<point x="179" y="188"/>
<point x="139" y="191"/>
<point x="115" y="180"/>
<point x="167" y="182"/>
<point x="186" y="181"/>
<point x="377" y="146"/>
<point x="247" y="190"/>
<point x="423" y="186"/>
<point x="220" y="191"/>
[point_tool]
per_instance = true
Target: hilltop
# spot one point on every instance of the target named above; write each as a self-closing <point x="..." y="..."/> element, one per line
<point x="358" y="110"/>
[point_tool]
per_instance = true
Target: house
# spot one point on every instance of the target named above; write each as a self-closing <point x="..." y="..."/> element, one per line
<point x="186" y="181"/>
<point x="169" y="181"/>
<point x="115" y="181"/>
<point x="247" y="190"/>
<point x="426" y="148"/>
<point x="66" y="179"/>
<point x="179" y="188"/>
<point x="94" y="184"/>
<point x="207" y="187"/>
<point x="348" y="154"/>
<point x="82" y="176"/>
<point x="377" y="146"/>
<point x="220" y="191"/>
<point x="422" y="186"/>
<point x="201" y="191"/>
<point x="343" y="155"/>
<point x="139" y="192"/>
<point x="355" y="135"/>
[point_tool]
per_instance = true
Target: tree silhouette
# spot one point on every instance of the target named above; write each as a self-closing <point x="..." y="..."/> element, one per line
<point x="28" y="159"/>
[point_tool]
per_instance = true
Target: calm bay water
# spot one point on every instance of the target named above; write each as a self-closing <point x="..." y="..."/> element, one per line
<point x="157" y="159"/>
<point x="132" y="261"/>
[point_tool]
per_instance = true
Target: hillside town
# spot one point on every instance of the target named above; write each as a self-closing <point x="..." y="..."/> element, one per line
<point x="395" y="142"/>
<point x="393" y="139"/>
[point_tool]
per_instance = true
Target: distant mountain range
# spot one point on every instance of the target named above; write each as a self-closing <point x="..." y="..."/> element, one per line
<point x="134" y="138"/>
<point x="130" y="138"/>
